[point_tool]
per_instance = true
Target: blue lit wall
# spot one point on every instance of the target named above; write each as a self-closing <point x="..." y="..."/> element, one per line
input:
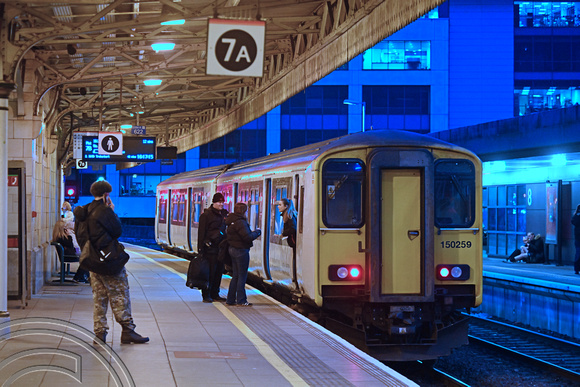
<point x="481" y="61"/>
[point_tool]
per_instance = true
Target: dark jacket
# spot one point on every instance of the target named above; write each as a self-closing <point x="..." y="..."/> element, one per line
<point x="104" y="226"/>
<point x="290" y="232"/>
<point x="212" y="229"/>
<point x="68" y="245"/>
<point x="239" y="233"/>
<point x="536" y="250"/>
<point x="576" y="223"/>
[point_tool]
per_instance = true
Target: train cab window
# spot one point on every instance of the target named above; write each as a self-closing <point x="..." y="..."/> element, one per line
<point x="454" y="193"/>
<point x="343" y="192"/>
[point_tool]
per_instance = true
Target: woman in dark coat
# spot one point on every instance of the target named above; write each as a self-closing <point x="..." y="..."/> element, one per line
<point x="288" y="213"/>
<point x="240" y="238"/>
<point x="62" y="234"/>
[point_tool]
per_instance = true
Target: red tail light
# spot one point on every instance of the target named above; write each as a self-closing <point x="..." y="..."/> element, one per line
<point x="345" y="272"/>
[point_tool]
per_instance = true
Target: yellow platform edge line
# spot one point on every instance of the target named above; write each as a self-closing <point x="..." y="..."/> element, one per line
<point x="265" y="350"/>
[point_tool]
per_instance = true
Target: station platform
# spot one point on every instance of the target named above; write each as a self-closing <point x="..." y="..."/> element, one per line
<point x="49" y="342"/>
<point x="549" y="276"/>
<point x="544" y="297"/>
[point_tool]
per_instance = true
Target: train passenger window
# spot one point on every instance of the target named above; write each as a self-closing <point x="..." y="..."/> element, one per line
<point x="162" y="206"/>
<point x="454" y="193"/>
<point x="343" y="193"/>
<point x="281" y="192"/>
<point x="178" y="201"/>
<point x="254" y="209"/>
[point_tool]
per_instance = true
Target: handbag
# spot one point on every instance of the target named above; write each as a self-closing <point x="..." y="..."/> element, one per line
<point x="106" y="261"/>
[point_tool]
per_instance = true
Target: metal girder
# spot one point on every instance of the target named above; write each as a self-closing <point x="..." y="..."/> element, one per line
<point x="95" y="54"/>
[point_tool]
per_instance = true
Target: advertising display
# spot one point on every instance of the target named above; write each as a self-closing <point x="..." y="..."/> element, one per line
<point x="552" y="213"/>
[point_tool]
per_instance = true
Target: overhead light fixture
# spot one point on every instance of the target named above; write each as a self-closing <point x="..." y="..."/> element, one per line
<point x="559" y="160"/>
<point x="173" y="22"/>
<point x="123" y="131"/>
<point x="152" y="82"/>
<point x="83" y="91"/>
<point x="162" y="46"/>
<point x="126" y="126"/>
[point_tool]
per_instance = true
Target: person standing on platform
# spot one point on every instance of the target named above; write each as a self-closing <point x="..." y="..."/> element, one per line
<point x="240" y="239"/>
<point x="576" y="223"/>
<point x="104" y="227"/>
<point x="67" y="214"/>
<point x="212" y="230"/>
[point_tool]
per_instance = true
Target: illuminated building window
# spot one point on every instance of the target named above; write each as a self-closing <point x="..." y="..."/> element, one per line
<point x="504" y="218"/>
<point x="547" y="14"/>
<point x="398" y="55"/>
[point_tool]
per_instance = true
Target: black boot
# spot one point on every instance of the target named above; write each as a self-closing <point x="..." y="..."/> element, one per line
<point x="101" y="336"/>
<point x="205" y="295"/>
<point x="130" y="336"/>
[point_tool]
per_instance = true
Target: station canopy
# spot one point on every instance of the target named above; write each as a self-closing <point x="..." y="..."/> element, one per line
<point x="91" y="60"/>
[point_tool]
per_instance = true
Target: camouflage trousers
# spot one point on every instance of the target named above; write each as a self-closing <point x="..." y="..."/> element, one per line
<point x="113" y="289"/>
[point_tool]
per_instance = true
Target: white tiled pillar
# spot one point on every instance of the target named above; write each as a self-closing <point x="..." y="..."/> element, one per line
<point x="5" y="90"/>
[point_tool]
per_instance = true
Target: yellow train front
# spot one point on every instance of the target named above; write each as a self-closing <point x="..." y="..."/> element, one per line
<point x="389" y="244"/>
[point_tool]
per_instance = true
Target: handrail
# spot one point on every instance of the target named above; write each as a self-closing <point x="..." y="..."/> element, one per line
<point x="475" y="230"/>
<point x="325" y="230"/>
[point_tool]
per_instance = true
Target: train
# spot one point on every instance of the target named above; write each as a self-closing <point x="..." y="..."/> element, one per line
<point x="389" y="234"/>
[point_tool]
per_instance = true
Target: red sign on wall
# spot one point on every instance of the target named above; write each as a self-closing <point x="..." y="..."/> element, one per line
<point x="12" y="180"/>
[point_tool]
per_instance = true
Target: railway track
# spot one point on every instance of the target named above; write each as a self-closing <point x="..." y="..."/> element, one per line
<point x="549" y="353"/>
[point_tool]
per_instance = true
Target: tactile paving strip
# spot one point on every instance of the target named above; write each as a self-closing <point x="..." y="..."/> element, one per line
<point x="308" y="366"/>
<point x="304" y="362"/>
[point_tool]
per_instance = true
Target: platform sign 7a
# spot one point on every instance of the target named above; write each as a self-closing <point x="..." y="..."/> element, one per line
<point x="235" y="47"/>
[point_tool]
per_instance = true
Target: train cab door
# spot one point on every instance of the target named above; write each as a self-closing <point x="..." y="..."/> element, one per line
<point x="401" y="226"/>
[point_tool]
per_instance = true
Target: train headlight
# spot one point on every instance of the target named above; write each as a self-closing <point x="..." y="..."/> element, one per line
<point x="453" y="272"/>
<point x="345" y="272"/>
<point x="342" y="272"/>
<point x="456" y="272"/>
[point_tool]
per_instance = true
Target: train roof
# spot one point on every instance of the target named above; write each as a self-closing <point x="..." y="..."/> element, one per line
<point x="306" y="154"/>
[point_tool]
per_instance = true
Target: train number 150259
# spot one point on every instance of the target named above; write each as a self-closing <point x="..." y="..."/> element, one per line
<point x="456" y="244"/>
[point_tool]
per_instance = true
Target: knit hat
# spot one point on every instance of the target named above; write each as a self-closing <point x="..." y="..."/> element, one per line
<point x="218" y="197"/>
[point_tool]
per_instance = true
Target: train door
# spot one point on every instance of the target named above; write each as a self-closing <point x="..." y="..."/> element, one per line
<point x="189" y="221"/>
<point x="18" y="285"/>
<point x="266" y="229"/>
<point x="197" y="199"/>
<point x="401" y="226"/>
<point x="162" y="216"/>
<point x="169" y="206"/>
<point x="280" y="253"/>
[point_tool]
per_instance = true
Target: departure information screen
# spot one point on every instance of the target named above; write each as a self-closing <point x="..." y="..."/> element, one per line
<point x="135" y="149"/>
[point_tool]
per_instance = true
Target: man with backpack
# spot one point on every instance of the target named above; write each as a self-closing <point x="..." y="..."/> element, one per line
<point x="211" y="232"/>
<point x="97" y="224"/>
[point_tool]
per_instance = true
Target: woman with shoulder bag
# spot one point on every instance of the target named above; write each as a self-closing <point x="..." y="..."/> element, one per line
<point x="240" y="238"/>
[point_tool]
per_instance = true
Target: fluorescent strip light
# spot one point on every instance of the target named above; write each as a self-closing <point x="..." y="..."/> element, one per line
<point x="173" y="22"/>
<point x="126" y="126"/>
<point x="152" y="82"/>
<point x="162" y="46"/>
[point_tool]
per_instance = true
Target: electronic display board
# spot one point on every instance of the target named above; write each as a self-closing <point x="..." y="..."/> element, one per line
<point x="135" y="149"/>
